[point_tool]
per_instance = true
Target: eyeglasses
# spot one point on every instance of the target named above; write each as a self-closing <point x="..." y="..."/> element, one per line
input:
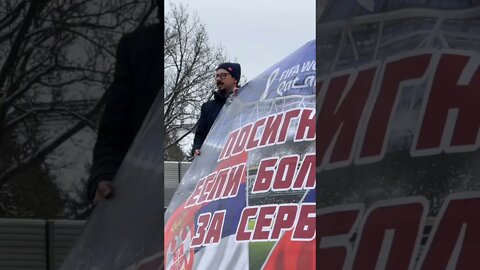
<point x="221" y="75"/>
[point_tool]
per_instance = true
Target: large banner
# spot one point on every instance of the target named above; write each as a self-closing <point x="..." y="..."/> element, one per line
<point x="398" y="159"/>
<point x="248" y="201"/>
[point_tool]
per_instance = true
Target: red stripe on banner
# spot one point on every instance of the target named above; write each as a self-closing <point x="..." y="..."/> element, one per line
<point x="288" y="254"/>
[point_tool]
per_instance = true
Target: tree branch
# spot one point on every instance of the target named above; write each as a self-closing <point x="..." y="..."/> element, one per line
<point x="181" y="138"/>
<point x="12" y="16"/>
<point x="10" y="61"/>
<point x="49" y="146"/>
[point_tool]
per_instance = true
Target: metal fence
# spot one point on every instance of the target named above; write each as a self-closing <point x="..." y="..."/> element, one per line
<point x="34" y="244"/>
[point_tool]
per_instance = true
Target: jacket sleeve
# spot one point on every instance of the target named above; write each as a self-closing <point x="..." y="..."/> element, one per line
<point x="115" y="132"/>
<point x="201" y="131"/>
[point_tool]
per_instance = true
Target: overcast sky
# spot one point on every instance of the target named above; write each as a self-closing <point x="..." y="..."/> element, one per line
<point x="258" y="33"/>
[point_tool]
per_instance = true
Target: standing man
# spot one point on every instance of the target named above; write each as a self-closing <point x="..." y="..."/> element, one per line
<point x="136" y="84"/>
<point x="227" y="77"/>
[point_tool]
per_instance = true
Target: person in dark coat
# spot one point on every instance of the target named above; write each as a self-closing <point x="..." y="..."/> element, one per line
<point x="227" y="77"/>
<point x="130" y="96"/>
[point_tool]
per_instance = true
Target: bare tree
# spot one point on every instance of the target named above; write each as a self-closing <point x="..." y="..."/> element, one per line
<point x="56" y="60"/>
<point x="190" y="61"/>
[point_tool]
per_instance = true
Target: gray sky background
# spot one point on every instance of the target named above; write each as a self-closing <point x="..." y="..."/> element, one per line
<point x="258" y="33"/>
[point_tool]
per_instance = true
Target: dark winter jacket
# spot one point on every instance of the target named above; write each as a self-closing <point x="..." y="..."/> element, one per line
<point x="130" y="96"/>
<point x="208" y="114"/>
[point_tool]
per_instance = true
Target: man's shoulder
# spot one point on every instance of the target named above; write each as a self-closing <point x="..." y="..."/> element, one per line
<point x="144" y="33"/>
<point x="212" y="105"/>
<point x="149" y="30"/>
<point x="208" y="103"/>
<point x="143" y="41"/>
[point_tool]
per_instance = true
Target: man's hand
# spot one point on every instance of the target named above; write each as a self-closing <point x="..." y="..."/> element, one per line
<point x="104" y="191"/>
<point x="197" y="152"/>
